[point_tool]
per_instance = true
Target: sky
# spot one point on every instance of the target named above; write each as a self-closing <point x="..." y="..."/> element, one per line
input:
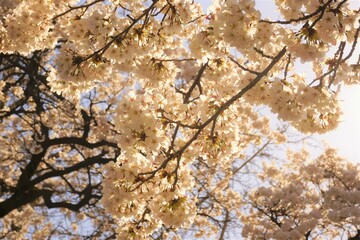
<point x="346" y="138"/>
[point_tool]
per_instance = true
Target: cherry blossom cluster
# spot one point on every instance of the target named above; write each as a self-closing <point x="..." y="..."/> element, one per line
<point x="25" y="29"/>
<point x="182" y="89"/>
<point x="14" y="225"/>
<point x="305" y="198"/>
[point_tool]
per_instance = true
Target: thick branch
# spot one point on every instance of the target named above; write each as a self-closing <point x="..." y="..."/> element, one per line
<point x="86" y="163"/>
<point x="79" y="141"/>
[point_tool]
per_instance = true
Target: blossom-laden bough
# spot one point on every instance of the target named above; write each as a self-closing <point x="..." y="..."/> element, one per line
<point x="152" y="107"/>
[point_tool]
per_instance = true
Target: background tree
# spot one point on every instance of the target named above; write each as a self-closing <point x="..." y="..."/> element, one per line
<point x="139" y="119"/>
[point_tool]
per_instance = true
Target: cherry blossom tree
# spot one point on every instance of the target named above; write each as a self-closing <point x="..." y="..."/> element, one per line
<point x="129" y="119"/>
